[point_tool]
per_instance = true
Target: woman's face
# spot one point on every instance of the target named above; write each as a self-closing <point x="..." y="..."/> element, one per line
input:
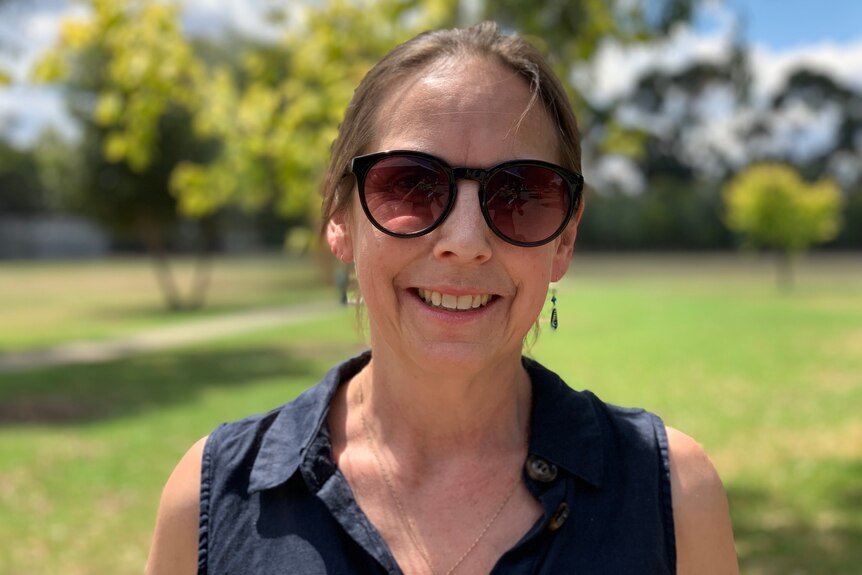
<point x="469" y="113"/>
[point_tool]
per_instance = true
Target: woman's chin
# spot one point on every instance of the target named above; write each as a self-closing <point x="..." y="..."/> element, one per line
<point x="460" y="358"/>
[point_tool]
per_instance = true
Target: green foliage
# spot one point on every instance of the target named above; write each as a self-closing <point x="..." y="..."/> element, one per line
<point x="277" y="113"/>
<point x="20" y="191"/>
<point x="571" y="32"/>
<point x="129" y="77"/>
<point x="274" y="110"/>
<point x="132" y="80"/>
<point x="149" y="68"/>
<point x="774" y="207"/>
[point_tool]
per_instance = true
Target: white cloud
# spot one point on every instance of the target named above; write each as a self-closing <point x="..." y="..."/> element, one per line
<point x="616" y="67"/>
<point x="614" y="172"/>
<point x="212" y="17"/>
<point x="800" y="132"/>
<point x="840" y="61"/>
<point x="797" y="131"/>
<point x="26" y="110"/>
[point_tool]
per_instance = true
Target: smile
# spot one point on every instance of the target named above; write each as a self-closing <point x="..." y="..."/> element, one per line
<point x="453" y="302"/>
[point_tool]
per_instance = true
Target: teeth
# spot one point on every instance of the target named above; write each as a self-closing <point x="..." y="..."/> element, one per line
<point x="449" y="301"/>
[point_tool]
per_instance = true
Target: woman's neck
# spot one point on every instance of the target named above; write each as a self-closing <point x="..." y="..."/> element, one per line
<point x="442" y="413"/>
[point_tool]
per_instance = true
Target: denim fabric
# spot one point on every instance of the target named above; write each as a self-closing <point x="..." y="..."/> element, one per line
<point x="273" y="501"/>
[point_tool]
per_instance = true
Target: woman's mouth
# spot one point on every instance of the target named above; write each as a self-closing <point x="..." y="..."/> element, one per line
<point x="453" y="302"/>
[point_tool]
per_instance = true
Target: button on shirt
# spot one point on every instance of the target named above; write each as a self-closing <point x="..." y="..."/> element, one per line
<point x="273" y="500"/>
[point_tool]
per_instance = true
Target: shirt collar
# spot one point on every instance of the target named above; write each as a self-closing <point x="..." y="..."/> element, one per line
<point x="296" y="426"/>
<point x="565" y="427"/>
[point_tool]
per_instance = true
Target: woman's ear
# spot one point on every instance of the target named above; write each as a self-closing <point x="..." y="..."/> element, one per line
<point x="566" y="247"/>
<point x="338" y="237"/>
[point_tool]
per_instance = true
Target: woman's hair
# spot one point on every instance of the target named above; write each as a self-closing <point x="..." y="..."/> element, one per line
<point x="483" y="40"/>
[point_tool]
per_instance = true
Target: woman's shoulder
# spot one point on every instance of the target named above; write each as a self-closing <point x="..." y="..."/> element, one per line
<point x="704" y="536"/>
<point x="175" y="544"/>
<point x="175" y="540"/>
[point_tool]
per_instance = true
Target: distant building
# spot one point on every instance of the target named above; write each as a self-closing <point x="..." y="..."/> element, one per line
<point x="50" y="236"/>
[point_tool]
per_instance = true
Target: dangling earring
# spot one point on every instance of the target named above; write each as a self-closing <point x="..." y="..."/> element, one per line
<point x="553" y="308"/>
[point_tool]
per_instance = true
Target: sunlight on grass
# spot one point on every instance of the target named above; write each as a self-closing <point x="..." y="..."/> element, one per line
<point x="46" y="303"/>
<point x="770" y="384"/>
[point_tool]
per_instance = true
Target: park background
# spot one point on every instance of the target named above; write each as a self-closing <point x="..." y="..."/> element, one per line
<point x="160" y="274"/>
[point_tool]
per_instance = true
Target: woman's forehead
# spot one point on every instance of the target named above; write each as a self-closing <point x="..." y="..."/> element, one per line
<point x="464" y="102"/>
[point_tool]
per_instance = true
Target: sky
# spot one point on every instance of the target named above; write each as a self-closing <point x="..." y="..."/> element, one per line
<point x="782" y="34"/>
<point x="787" y="24"/>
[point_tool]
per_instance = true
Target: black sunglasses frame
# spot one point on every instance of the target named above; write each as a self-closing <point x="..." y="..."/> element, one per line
<point x="361" y="165"/>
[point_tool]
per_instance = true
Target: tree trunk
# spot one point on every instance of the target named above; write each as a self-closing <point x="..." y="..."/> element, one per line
<point x="203" y="265"/>
<point x="785" y="279"/>
<point x="152" y="232"/>
<point x="153" y="235"/>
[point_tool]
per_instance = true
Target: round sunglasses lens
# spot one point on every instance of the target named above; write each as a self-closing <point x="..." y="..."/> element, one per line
<point x="527" y="204"/>
<point x="405" y="194"/>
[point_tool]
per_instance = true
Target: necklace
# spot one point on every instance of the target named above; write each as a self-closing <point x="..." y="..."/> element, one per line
<point x="402" y="515"/>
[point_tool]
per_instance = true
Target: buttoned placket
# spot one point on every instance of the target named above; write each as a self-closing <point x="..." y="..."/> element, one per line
<point x="326" y="481"/>
<point x="555" y="491"/>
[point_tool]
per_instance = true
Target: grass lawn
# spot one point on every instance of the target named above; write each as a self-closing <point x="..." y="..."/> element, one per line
<point x="46" y="303"/>
<point x="770" y="383"/>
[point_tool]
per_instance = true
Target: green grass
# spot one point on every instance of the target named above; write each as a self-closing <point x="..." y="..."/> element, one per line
<point x="47" y="303"/>
<point x="770" y="383"/>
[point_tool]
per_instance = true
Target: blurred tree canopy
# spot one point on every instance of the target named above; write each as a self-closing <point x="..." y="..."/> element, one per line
<point x="814" y="92"/>
<point x="176" y="125"/>
<point x="272" y="110"/>
<point x="276" y="111"/>
<point x="19" y="182"/>
<point x="775" y="208"/>
<point x="130" y="77"/>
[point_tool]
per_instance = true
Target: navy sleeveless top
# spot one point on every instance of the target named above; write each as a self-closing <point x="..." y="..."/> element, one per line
<point x="273" y="501"/>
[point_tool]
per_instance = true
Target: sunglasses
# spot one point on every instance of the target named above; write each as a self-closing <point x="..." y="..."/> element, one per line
<point x="406" y="194"/>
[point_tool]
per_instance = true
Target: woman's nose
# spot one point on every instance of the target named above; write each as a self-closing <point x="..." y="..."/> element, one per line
<point x="464" y="236"/>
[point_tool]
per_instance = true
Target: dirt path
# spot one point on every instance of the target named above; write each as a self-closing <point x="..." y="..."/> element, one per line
<point x="163" y="338"/>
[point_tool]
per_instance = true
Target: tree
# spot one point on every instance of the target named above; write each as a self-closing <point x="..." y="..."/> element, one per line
<point x="809" y="103"/>
<point x="773" y="207"/>
<point x="20" y="190"/>
<point x="271" y="110"/>
<point x="130" y="77"/>
<point x="277" y="112"/>
<point x="571" y="32"/>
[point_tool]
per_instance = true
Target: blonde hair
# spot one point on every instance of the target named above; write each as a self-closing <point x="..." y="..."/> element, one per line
<point x="483" y="40"/>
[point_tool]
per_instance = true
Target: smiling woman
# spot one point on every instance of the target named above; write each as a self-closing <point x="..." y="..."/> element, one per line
<point x="455" y="190"/>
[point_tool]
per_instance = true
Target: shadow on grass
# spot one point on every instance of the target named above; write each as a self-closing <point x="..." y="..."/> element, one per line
<point x="774" y="536"/>
<point x="83" y="393"/>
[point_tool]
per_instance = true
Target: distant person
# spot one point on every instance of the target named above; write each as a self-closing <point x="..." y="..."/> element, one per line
<point x="455" y="189"/>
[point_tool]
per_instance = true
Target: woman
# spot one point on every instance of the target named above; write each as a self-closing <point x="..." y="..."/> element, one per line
<point x="454" y="188"/>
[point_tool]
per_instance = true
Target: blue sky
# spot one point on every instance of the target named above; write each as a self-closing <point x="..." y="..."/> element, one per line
<point x="788" y="24"/>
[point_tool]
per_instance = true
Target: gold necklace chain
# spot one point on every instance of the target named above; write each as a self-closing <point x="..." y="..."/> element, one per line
<point x="402" y="515"/>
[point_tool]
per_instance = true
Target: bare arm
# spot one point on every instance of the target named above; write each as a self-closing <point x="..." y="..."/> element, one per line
<point x="704" y="536"/>
<point x="174" y="549"/>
